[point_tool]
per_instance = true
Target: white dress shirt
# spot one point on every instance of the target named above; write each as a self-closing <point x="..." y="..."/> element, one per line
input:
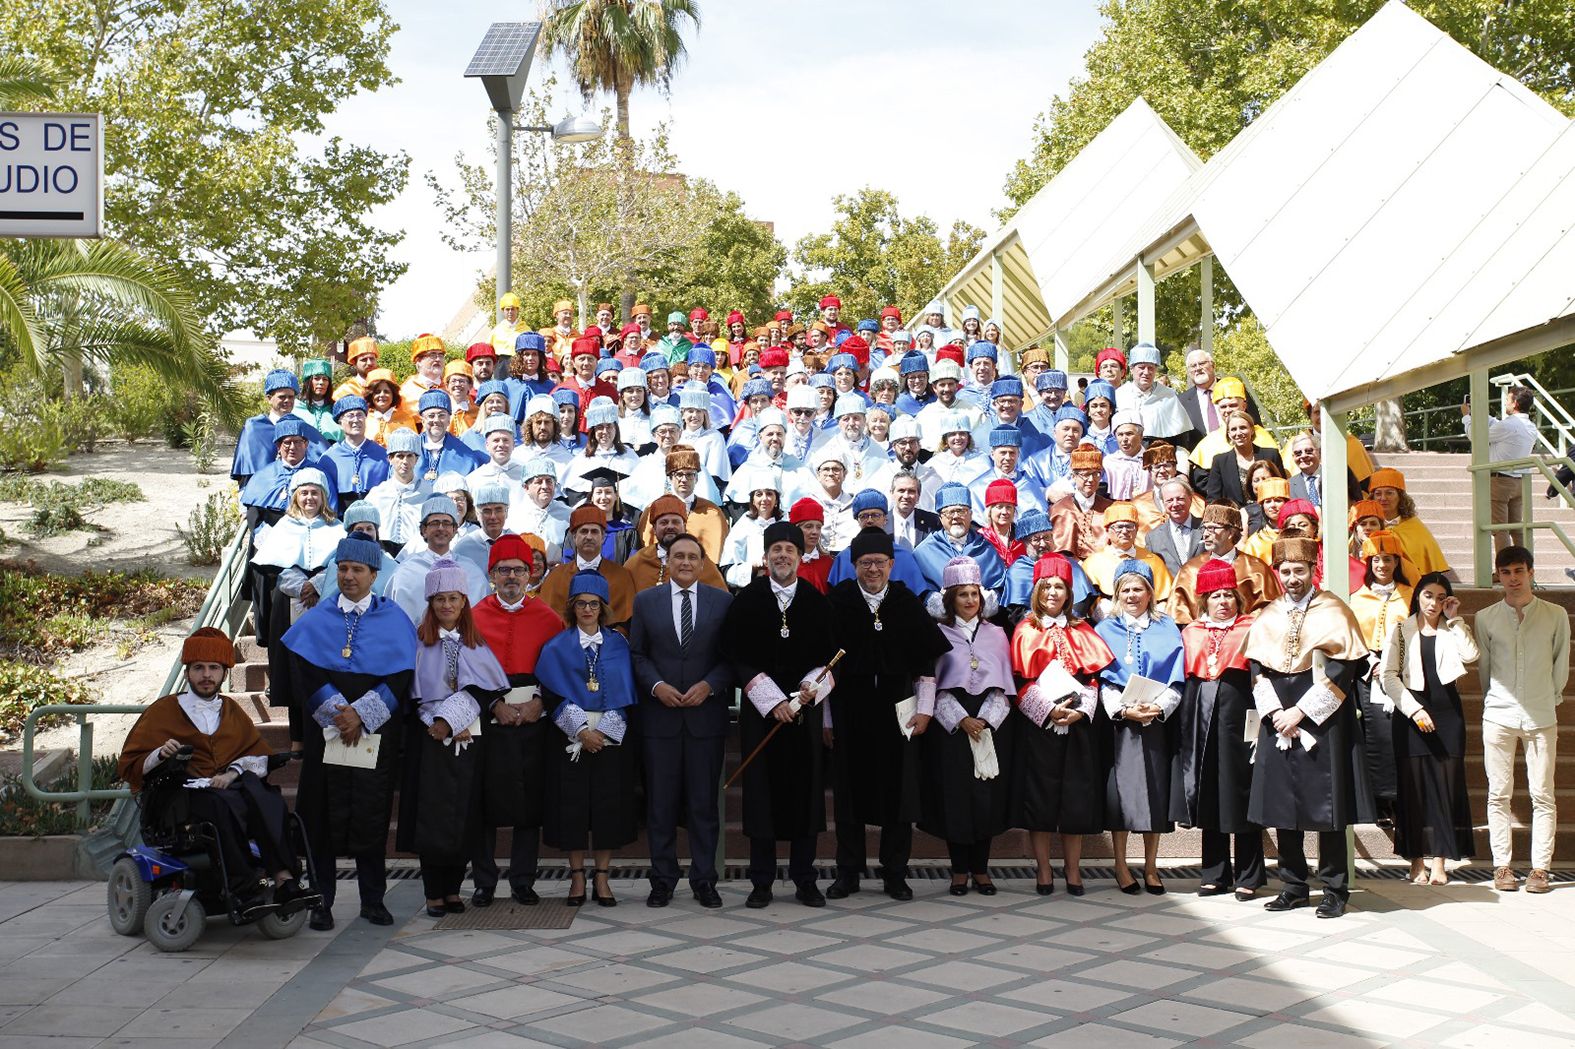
<point x="678" y="605"/>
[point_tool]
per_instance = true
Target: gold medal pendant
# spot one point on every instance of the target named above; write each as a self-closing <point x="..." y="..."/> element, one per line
<point x="973" y="664"/>
<point x="593" y="685"/>
<point x="345" y="652"/>
<point x="878" y="624"/>
<point x="786" y="632"/>
<point x="355" y="482"/>
<point x="431" y="475"/>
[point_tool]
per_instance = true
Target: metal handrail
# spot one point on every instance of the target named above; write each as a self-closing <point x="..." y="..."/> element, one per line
<point x="219" y="607"/>
<point x="1547" y="407"/>
<point x="84" y="796"/>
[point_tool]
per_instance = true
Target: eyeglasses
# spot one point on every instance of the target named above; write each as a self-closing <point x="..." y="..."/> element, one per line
<point x="683" y="475"/>
<point x="801" y="411"/>
<point x="507" y="572"/>
<point x="593" y="603"/>
<point x="870" y="564"/>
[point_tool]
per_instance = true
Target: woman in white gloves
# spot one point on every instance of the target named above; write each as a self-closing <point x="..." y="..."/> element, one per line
<point x="1426" y="654"/>
<point x="966" y="770"/>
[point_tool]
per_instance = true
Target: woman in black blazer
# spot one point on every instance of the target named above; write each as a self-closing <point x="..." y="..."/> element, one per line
<point x="1229" y="468"/>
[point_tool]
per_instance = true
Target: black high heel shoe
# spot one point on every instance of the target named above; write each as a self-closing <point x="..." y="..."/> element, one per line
<point x="983" y="888"/>
<point x="1046" y="888"/>
<point x="576" y="900"/>
<point x="1132" y="888"/>
<point x="959" y="888"/>
<point x="604" y="901"/>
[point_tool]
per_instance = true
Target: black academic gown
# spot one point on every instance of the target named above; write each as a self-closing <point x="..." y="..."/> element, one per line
<point x="873" y="766"/>
<point x="346" y="809"/>
<point x="1310" y="790"/>
<point x="440" y="790"/>
<point x="1213" y="769"/>
<point x="784" y="787"/>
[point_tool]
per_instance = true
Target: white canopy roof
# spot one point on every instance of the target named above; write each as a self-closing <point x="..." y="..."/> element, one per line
<point x="1054" y="242"/>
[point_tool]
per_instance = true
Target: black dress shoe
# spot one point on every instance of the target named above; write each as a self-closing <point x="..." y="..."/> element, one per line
<point x="1213" y="890"/>
<point x="1132" y="888"/>
<point x="289" y="897"/>
<point x="958" y="888"/>
<point x="809" y="895"/>
<point x="659" y="897"/>
<point x="377" y="914"/>
<point x="758" y="897"/>
<point x="481" y="898"/>
<point x="897" y="889"/>
<point x="1154" y="890"/>
<point x="1075" y="890"/>
<point x="1285" y="901"/>
<point x="436" y="912"/>
<point x="453" y="907"/>
<point x="707" y="897"/>
<point x="526" y="897"/>
<point x="322" y="919"/>
<point x="842" y="888"/>
<point x="1332" y="906"/>
<point x="984" y="888"/>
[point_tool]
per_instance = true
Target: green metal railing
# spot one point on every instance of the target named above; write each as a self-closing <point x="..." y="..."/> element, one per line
<point x="222" y="607"/>
<point x="1527" y="526"/>
<point x="1548" y="414"/>
<point x="84" y="795"/>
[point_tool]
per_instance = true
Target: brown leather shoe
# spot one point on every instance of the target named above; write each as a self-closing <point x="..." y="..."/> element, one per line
<point x="1537" y="881"/>
<point x="1504" y="880"/>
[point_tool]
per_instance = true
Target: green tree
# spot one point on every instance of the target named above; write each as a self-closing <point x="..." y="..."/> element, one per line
<point x="596" y="221"/>
<point x="24" y="82"/>
<point x="101" y="302"/>
<point x="208" y="105"/>
<point x="615" y="45"/>
<point x="874" y="256"/>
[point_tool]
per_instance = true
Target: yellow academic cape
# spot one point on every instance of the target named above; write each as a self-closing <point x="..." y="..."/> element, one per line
<point x="1101" y="568"/>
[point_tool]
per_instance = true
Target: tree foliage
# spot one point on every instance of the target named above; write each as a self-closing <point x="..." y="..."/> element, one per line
<point x="593" y="220"/>
<point x="1209" y="67"/>
<point x="207" y="104"/>
<point x="617" y="45"/>
<point x="873" y="256"/>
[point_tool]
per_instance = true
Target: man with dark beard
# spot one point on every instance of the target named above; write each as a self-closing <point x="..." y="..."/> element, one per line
<point x="892" y="646"/>
<point x="648" y="567"/>
<point x="1305" y="652"/>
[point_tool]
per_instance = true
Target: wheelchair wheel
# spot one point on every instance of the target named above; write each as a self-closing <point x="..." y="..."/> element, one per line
<point x="129" y="897"/>
<point x="173" y="925"/>
<point x="278" y="926"/>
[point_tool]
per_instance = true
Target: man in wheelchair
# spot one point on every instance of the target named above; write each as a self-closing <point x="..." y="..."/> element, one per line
<point x="221" y="784"/>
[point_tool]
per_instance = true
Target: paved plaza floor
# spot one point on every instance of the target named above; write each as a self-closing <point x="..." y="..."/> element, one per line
<point x="1459" y="967"/>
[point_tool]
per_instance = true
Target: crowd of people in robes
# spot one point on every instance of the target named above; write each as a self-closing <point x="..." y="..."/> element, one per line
<point x="521" y="587"/>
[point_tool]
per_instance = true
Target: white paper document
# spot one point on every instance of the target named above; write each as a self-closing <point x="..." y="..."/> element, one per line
<point x="521" y="694"/>
<point x="361" y="756"/>
<point x="1141" y="690"/>
<point x="1055" y="684"/>
<point x="905" y="712"/>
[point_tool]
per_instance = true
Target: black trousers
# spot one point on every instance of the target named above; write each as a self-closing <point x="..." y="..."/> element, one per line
<point x="441" y="880"/>
<point x="896" y="845"/>
<point x="1333" y="862"/>
<point x="1248" y="870"/>
<point x="246" y="811"/>
<point x="683" y="774"/>
<point x="970" y="857"/>
<point x="522" y="858"/>
<point x="370" y="874"/>
<point x="763" y="861"/>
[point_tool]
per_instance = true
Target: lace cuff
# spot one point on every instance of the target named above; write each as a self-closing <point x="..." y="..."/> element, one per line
<point x="1110" y="699"/>
<point x="458" y="711"/>
<point x="1318" y="703"/>
<point x="1168" y="702"/>
<point x="994" y="709"/>
<point x="1036" y="707"/>
<point x="256" y="764"/>
<point x="948" y="711"/>
<point x="1087" y="700"/>
<point x="613" y="725"/>
<point x="1264" y="698"/>
<point x="924" y="692"/>
<point x="764" y="694"/>
<point x="570" y="719"/>
<point x="328" y="709"/>
<point x="374" y="713"/>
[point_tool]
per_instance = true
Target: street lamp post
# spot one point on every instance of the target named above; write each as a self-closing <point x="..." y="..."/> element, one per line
<point x="502" y="64"/>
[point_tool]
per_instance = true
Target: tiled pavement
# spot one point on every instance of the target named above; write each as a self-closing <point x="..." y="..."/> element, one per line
<point x="1459" y="967"/>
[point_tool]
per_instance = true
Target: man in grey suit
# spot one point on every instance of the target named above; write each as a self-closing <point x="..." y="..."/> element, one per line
<point x="685" y="687"/>
<point x="1178" y="538"/>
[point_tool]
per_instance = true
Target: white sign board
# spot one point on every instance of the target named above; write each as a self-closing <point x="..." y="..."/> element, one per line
<point x="51" y="175"/>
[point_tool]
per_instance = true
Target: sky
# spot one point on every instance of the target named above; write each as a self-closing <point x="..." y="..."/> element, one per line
<point x="931" y="100"/>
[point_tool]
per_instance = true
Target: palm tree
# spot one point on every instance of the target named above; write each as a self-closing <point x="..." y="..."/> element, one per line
<point x="613" y="45"/>
<point x="65" y="302"/>
<point x="23" y="80"/>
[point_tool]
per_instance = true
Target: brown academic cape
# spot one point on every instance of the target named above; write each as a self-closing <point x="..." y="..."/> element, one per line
<point x="1255" y="582"/>
<point x="1076" y="532"/>
<point x="554" y="590"/>
<point x="706" y="522"/>
<point x="236" y="737"/>
<point x="647" y="570"/>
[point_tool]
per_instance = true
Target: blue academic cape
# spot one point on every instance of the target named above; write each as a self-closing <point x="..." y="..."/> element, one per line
<point x="936" y="549"/>
<point x="1156" y="652"/>
<point x="453" y="457"/>
<point x="562" y="670"/>
<point x="254" y="448"/>
<point x="904" y="569"/>
<point x="908" y="404"/>
<point x="269" y="488"/>
<point x="1020" y="583"/>
<point x="384" y="644"/>
<point x="357" y="471"/>
<point x="522" y="390"/>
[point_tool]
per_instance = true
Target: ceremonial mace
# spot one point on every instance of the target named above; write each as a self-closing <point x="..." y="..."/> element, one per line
<point x="798" y="704"/>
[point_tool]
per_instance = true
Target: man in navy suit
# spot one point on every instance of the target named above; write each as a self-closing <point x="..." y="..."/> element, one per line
<point x="1178" y="538"/>
<point x="685" y="688"/>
